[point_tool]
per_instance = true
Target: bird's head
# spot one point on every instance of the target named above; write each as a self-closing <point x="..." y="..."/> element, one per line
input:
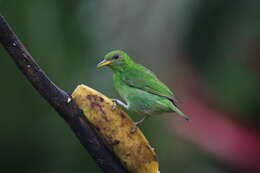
<point x="116" y="60"/>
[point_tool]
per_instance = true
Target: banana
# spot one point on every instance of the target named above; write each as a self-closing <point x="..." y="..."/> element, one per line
<point x="115" y="127"/>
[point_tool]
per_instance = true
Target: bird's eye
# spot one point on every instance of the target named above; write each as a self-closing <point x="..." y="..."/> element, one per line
<point x="115" y="56"/>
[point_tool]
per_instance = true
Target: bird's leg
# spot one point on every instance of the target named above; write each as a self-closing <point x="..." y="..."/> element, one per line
<point x="118" y="102"/>
<point x="138" y="123"/>
<point x="142" y="120"/>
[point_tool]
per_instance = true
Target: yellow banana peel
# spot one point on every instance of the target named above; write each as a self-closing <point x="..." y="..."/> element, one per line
<point x="115" y="127"/>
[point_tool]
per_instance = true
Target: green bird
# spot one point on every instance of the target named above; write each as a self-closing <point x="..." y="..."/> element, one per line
<point x="143" y="92"/>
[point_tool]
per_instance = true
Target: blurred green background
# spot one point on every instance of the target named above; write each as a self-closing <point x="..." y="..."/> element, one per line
<point x="206" y="51"/>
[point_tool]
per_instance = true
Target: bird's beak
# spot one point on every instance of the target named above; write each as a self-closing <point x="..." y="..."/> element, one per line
<point x="104" y="63"/>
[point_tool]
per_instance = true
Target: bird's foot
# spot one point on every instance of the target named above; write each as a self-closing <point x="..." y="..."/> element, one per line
<point x="117" y="102"/>
<point x="138" y="123"/>
<point x="134" y="129"/>
<point x="114" y="104"/>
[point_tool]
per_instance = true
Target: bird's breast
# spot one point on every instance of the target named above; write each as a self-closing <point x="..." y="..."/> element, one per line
<point x="141" y="101"/>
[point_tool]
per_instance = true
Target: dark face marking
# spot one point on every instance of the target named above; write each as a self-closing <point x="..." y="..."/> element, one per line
<point x="116" y="56"/>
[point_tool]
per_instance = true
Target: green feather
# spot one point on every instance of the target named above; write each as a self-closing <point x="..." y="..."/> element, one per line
<point x="140" y="77"/>
<point x="139" y="87"/>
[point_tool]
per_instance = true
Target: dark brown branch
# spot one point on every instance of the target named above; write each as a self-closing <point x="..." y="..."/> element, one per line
<point x="59" y="100"/>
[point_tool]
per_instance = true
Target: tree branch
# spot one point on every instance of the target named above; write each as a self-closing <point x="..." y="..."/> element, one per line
<point x="59" y="100"/>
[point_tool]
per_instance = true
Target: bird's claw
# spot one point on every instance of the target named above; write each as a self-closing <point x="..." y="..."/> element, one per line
<point x="114" y="104"/>
<point x="137" y="123"/>
<point x="134" y="129"/>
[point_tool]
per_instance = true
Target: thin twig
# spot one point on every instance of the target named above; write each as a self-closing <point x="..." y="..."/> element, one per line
<point x="59" y="100"/>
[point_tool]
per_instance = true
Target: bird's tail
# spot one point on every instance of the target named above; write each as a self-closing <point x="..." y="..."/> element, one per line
<point x="178" y="111"/>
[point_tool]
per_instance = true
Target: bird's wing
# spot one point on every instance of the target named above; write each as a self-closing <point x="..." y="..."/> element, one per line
<point x="142" y="78"/>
